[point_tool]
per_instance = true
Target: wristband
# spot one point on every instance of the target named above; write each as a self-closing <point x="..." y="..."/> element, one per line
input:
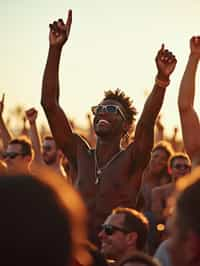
<point x="162" y="83"/>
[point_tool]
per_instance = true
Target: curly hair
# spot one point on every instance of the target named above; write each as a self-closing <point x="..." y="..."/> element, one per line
<point x="119" y="96"/>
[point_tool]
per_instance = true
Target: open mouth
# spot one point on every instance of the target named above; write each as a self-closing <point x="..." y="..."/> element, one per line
<point x="103" y="122"/>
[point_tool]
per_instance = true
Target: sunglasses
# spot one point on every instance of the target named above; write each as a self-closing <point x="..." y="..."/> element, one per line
<point x="47" y="148"/>
<point x="107" y="108"/>
<point x="180" y="166"/>
<point x="109" y="229"/>
<point x="12" y="155"/>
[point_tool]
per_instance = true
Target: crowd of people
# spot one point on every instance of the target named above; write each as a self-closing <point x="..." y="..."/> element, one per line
<point x="122" y="194"/>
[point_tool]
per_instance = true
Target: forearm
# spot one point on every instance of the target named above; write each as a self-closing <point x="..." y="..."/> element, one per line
<point x="6" y="136"/>
<point x="35" y="139"/>
<point x="50" y="85"/>
<point x="187" y="87"/>
<point x="153" y="105"/>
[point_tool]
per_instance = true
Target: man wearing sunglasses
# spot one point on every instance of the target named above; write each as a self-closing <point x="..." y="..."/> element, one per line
<point x="179" y="165"/>
<point x="107" y="176"/>
<point x="49" y="153"/>
<point x="122" y="233"/>
<point x="18" y="156"/>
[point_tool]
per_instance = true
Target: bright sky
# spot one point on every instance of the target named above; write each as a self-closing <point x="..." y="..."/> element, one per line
<point x="112" y="44"/>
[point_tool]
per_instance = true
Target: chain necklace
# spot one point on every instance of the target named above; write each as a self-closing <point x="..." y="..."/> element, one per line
<point x="99" y="170"/>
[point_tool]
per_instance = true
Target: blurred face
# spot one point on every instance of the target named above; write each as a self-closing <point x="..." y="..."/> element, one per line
<point x="49" y="151"/>
<point x="158" y="161"/>
<point x="113" y="241"/>
<point x="14" y="158"/>
<point x="109" y="118"/>
<point x="180" y="167"/>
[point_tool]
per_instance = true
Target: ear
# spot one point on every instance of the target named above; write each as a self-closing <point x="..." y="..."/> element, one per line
<point x="125" y="127"/>
<point x="132" y="238"/>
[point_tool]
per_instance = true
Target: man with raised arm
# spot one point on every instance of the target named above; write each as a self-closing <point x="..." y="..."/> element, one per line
<point x="189" y="118"/>
<point x="48" y="153"/>
<point x="107" y="176"/>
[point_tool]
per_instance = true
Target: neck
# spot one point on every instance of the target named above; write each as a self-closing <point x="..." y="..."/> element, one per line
<point x="106" y="150"/>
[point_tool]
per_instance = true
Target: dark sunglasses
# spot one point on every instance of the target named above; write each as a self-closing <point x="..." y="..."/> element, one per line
<point x="107" y="108"/>
<point x="109" y="229"/>
<point x="47" y="148"/>
<point x="180" y="166"/>
<point x="11" y="155"/>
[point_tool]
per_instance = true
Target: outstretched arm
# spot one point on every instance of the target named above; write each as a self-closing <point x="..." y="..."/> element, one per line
<point x="60" y="127"/>
<point x="6" y="136"/>
<point x="189" y="119"/>
<point x="31" y="115"/>
<point x="165" y="62"/>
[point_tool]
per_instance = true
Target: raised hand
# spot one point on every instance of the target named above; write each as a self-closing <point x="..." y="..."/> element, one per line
<point x="165" y="62"/>
<point x="59" y="31"/>
<point x="31" y="115"/>
<point x="2" y="104"/>
<point x="195" y="45"/>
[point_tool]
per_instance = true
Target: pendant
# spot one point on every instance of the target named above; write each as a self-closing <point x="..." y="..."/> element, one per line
<point x="97" y="180"/>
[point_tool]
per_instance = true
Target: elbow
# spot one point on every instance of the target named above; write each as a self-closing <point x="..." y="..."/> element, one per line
<point x="47" y="103"/>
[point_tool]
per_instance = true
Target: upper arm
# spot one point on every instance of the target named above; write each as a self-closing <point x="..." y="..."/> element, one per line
<point x="62" y="132"/>
<point x="190" y="131"/>
<point x="143" y="142"/>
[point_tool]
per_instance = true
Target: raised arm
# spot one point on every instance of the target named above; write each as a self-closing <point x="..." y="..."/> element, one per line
<point x="58" y="122"/>
<point x="31" y="115"/>
<point x="189" y="119"/>
<point x="6" y="136"/>
<point x="165" y="62"/>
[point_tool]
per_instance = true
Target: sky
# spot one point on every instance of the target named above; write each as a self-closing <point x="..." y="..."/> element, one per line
<point x="112" y="44"/>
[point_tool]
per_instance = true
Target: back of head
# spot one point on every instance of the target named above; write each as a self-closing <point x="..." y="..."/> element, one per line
<point x="35" y="228"/>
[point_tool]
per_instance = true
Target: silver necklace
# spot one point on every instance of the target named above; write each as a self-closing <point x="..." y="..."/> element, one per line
<point x="99" y="170"/>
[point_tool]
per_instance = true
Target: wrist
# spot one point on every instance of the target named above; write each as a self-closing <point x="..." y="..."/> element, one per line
<point x="54" y="49"/>
<point x="194" y="56"/>
<point x="161" y="82"/>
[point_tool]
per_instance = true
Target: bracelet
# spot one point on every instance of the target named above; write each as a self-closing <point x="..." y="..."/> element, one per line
<point x="162" y="83"/>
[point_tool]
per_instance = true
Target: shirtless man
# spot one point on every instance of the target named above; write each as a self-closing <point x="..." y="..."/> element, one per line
<point x="107" y="176"/>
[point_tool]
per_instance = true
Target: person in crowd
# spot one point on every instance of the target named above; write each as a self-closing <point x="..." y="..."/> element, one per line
<point x="38" y="223"/>
<point x="107" y="169"/>
<point x="123" y="232"/>
<point x="189" y="118"/>
<point x="155" y="174"/>
<point x="179" y="165"/>
<point x="49" y="153"/>
<point x="184" y="244"/>
<point x="19" y="155"/>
